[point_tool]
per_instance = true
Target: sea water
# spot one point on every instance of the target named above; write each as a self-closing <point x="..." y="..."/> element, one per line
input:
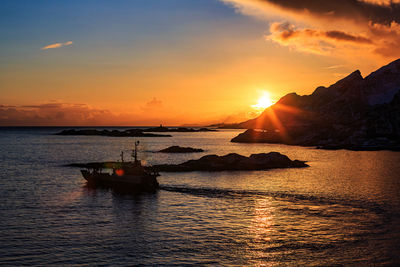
<point x="343" y="209"/>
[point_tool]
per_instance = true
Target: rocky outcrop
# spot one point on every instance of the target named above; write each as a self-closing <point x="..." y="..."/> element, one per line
<point x="354" y="113"/>
<point x="233" y="162"/>
<point x="113" y="133"/>
<point x="179" y="149"/>
<point x="258" y="136"/>
<point x="178" y="129"/>
<point x="229" y="162"/>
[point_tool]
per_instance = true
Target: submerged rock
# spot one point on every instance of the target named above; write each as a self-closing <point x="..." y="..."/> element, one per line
<point x="113" y="133"/>
<point x="234" y="162"/>
<point x="179" y="149"/>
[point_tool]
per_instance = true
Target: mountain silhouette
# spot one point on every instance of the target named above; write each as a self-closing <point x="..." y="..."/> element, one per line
<point x="355" y="113"/>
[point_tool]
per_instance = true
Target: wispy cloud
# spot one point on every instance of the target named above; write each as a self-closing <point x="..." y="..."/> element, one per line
<point x="57" y="45"/>
<point x="311" y="40"/>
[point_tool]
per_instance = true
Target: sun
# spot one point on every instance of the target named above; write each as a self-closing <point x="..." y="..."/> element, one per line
<point x="263" y="102"/>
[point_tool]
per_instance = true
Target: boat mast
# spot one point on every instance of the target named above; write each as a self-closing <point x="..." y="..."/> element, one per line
<point x="134" y="152"/>
<point x="122" y="156"/>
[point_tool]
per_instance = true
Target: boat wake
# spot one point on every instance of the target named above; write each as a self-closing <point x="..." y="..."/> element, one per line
<point x="354" y="206"/>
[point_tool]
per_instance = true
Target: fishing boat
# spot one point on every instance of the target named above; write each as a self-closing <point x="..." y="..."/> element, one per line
<point x="130" y="175"/>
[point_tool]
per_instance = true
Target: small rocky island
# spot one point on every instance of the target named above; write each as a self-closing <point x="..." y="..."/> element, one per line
<point x="179" y="149"/>
<point x="113" y="133"/>
<point x="258" y="136"/>
<point x="163" y="129"/>
<point x="229" y="162"/>
<point x="234" y="162"/>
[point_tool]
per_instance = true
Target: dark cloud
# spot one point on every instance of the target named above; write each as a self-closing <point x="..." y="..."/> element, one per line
<point x="342" y="36"/>
<point x="347" y="9"/>
<point x="55" y="106"/>
<point x="287" y="31"/>
<point x="6" y="106"/>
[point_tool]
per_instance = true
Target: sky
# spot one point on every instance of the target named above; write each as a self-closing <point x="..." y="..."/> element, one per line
<point x="180" y="62"/>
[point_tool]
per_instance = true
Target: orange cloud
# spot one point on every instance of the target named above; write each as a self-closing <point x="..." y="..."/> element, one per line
<point x="57" y="45"/>
<point x="154" y="103"/>
<point x="382" y="2"/>
<point x="341" y="28"/>
<point x="75" y="114"/>
<point x="55" y="114"/>
<point x="310" y="40"/>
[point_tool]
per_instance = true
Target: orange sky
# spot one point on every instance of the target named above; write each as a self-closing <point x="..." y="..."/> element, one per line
<point x="210" y="63"/>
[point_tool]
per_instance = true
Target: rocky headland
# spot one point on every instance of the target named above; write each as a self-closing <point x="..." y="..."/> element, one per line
<point x="355" y="113"/>
<point x="179" y="149"/>
<point x="229" y="162"/>
<point x="113" y="133"/>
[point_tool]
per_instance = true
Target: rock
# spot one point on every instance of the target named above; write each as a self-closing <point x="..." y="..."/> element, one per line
<point x="113" y="133"/>
<point x="229" y="162"/>
<point x="233" y="162"/>
<point x="178" y="129"/>
<point x="258" y="136"/>
<point x="178" y="149"/>
<point x="345" y="115"/>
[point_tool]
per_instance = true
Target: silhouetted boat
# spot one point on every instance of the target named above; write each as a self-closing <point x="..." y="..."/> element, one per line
<point x="131" y="176"/>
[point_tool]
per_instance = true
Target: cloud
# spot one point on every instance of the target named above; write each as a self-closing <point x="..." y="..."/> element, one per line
<point x="335" y="67"/>
<point x="57" y="45"/>
<point x="6" y="106"/>
<point x="75" y="114"/>
<point x="311" y="40"/>
<point x="58" y="114"/>
<point x="154" y="103"/>
<point x="382" y="2"/>
<point x="342" y="28"/>
<point x="383" y="12"/>
<point x="153" y="107"/>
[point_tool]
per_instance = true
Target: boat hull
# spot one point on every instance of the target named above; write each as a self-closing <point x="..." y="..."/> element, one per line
<point x="136" y="183"/>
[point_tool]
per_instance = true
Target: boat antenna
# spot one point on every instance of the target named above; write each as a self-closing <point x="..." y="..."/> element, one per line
<point x="135" y="151"/>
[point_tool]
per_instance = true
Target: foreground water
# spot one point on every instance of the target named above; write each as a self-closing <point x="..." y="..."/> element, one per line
<point x="343" y="209"/>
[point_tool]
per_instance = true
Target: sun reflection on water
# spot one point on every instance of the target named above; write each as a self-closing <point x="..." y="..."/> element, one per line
<point x="261" y="230"/>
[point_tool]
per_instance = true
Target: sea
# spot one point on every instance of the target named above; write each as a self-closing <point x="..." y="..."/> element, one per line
<point x="344" y="209"/>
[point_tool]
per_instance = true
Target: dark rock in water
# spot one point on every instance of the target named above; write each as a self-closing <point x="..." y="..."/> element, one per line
<point x="113" y="133"/>
<point x="227" y="126"/>
<point x="178" y="129"/>
<point x="178" y="149"/>
<point x="229" y="162"/>
<point x="233" y="162"/>
<point x="257" y="136"/>
<point x="355" y="113"/>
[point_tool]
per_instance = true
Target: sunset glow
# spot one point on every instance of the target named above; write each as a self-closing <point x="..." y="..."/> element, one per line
<point x="141" y="67"/>
<point x="263" y="102"/>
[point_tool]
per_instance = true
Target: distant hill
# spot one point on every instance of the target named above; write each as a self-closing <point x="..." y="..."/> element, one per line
<point x="355" y="112"/>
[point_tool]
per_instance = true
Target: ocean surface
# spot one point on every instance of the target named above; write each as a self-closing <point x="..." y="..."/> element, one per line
<point x="343" y="209"/>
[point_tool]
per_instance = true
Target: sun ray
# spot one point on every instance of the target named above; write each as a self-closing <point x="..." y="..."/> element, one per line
<point x="263" y="102"/>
